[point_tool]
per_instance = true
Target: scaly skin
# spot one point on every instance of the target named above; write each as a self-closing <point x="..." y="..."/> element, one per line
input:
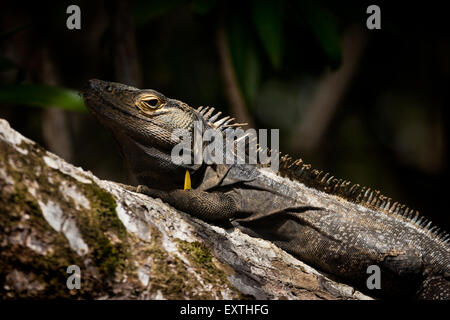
<point x="341" y="233"/>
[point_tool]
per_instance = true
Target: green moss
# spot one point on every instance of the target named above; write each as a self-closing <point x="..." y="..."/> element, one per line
<point x="96" y="226"/>
<point x="202" y="259"/>
<point x="107" y="211"/>
<point x="49" y="269"/>
<point x="169" y="275"/>
<point x="199" y="253"/>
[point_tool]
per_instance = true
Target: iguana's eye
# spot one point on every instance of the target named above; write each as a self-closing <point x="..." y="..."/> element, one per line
<point x="148" y="103"/>
<point x="153" y="103"/>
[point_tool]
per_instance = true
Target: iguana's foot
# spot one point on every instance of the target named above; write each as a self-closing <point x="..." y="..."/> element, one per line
<point x="209" y="206"/>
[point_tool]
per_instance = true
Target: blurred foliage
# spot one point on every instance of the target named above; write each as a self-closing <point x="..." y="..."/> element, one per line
<point x="34" y="94"/>
<point x="245" y="56"/>
<point x="42" y="96"/>
<point x="143" y="10"/>
<point x="255" y="33"/>
<point x="324" y="27"/>
<point x="268" y="20"/>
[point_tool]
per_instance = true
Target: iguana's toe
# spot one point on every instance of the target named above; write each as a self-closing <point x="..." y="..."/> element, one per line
<point x="143" y="189"/>
<point x="127" y="187"/>
<point x="151" y="192"/>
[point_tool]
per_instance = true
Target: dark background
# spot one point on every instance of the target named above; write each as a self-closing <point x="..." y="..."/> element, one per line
<point x="370" y="106"/>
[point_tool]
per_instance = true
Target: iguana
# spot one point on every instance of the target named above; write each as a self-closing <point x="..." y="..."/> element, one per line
<point x="329" y="223"/>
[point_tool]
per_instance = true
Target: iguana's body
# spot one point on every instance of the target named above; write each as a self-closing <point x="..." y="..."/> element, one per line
<point x="342" y="231"/>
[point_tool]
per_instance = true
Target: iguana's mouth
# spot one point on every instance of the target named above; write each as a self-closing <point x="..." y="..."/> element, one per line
<point x="95" y="101"/>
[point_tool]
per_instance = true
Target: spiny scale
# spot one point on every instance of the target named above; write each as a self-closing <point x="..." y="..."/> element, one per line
<point x="297" y="170"/>
<point x="222" y="123"/>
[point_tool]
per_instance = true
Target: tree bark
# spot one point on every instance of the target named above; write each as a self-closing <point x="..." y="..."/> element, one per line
<point x="127" y="245"/>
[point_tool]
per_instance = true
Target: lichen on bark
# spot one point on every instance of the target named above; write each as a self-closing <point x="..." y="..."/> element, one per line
<point x="36" y="187"/>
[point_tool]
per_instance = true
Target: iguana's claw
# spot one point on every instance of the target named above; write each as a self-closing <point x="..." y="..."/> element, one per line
<point x="144" y="189"/>
<point x="127" y="187"/>
<point x="151" y="192"/>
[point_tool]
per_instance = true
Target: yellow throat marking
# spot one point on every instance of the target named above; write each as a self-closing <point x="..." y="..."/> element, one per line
<point x="187" y="181"/>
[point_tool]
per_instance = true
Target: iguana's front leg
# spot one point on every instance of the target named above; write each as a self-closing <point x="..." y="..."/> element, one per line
<point x="208" y="206"/>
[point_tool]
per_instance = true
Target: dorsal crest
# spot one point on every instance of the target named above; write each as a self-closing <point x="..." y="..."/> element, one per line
<point x="215" y="121"/>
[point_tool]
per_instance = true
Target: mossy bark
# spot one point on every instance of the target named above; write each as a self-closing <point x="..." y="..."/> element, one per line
<point x="127" y="245"/>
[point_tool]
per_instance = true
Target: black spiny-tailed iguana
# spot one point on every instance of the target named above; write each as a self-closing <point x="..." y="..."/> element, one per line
<point x="327" y="222"/>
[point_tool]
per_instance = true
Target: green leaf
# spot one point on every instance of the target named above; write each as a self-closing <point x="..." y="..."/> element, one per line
<point x="41" y="96"/>
<point x="324" y="27"/>
<point x="144" y="10"/>
<point x="246" y="60"/>
<point x="268" y="20"/>
<point x="202" y="7"/>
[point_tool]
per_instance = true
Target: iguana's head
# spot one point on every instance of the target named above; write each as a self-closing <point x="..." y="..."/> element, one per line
<point x="144" y="115"/>
<point x="142" y="123"/>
